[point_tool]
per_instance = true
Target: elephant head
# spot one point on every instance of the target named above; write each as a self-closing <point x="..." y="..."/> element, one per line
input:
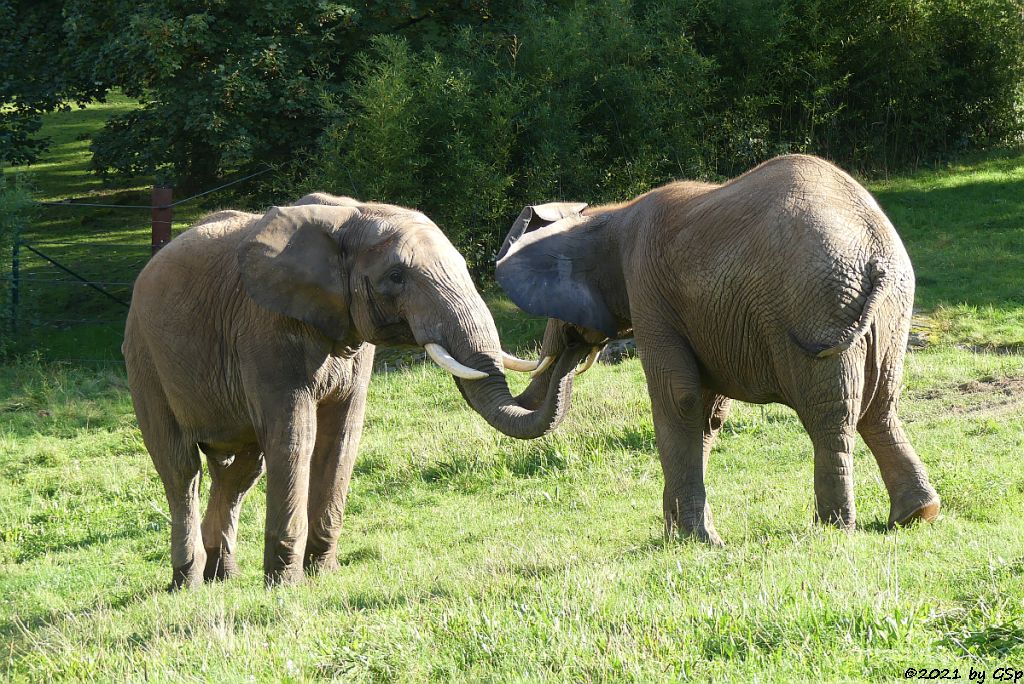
<point x="561" y="262"/>
<point x="387" y="275"/>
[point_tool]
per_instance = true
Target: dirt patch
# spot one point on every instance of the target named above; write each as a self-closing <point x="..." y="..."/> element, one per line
<point x="1012" y="349"/>
<point x="983" y="398"/>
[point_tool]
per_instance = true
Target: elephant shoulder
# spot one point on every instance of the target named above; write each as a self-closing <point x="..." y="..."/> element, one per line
<point x="204" y="253"/>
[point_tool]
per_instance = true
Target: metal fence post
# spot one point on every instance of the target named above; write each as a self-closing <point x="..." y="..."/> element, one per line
<point x="163" y="214"/>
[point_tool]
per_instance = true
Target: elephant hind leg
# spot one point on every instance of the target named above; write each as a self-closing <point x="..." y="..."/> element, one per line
<point x="232" y="476"/>
<point x="911" y="495"/>
<point x="177" y="462"/>
<point x="716" y="410"/>
<point x="829" y="410"/>
<point x="833" y="475"/>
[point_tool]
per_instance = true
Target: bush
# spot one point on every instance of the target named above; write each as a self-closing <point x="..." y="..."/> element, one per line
<point x="230" y="86"/>
<point x="471" y="109"/>
<point x="603" y="100"/>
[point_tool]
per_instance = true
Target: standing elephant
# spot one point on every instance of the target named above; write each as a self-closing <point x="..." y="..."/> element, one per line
<point x="251" y="338"/>
<point x="787" y="284"/>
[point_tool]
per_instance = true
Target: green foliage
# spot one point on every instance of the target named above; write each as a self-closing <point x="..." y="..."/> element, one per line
<point x="41" y="70"/>
<point x="603" y="100"/>
<point x="236" y="85"/>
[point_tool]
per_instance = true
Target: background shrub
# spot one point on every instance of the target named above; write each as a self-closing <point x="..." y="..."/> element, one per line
<point x="603" y="100"/>
<point x="471" y="109"/>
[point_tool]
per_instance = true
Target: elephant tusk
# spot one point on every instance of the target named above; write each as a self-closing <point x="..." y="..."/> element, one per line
<point x="445" y="360"/>
<point x="517" y="364"/>
<point x="545" y="363"/>
<point x="591" y="358"/>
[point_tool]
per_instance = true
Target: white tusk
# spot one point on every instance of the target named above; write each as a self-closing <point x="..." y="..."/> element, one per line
<point x="543" y="366"/>
<point x="590" y="361"/>
<point x="517" y="364"/>
<point x="445" y="360"/>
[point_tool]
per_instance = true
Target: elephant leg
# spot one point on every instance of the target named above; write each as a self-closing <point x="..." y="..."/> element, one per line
<point x="715" y="411"/>
<point x="911" y="495"/>
<point x="829" y="413"/>
<point x="288" y="449"/>
<point x="339" y="428"/>
<point x="232" y="476"/>
<point x="673" y="382"/>
<point x="177" y="462"/>
<point x="833" y="475"/>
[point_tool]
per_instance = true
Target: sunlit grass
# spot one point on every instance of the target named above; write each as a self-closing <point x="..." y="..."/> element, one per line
<point x="470" y="555"/>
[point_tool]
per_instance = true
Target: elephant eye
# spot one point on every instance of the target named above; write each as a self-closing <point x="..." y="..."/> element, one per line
<point x="397" y="277"/>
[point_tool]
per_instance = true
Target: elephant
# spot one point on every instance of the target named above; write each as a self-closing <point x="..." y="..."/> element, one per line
<point x="251" y="338"/>
<point x="786" y="284"/>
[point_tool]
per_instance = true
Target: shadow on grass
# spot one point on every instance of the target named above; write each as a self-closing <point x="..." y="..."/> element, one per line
<point x="966" y="240"/>
<point x="39" y="550"/>
<point x="56" y="400"/>
<point x="24" y="627"/>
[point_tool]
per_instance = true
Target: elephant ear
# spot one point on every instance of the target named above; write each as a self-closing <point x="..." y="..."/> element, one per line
<point x="291" y="263"/>
<point x="537" y="216"/>
<point x="555" y="272"/>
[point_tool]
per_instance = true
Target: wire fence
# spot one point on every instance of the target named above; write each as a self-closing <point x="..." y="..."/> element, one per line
<point x="69" y="301"/>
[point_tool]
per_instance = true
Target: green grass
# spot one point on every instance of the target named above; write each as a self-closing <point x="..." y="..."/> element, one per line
<point x="964" y="230"/>
<point x="467" y="555"/>
<point x="470" y="555"/>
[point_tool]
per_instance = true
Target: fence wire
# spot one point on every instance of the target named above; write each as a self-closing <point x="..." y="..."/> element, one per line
<point x="66" y="298"/>
<point x="73" y="203"/>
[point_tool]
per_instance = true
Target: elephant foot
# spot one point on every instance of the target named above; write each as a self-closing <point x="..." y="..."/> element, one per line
<point x="707" y="536"/>
<point x="188" y="576"/>
<point x="318" y="562"/>
<point x="842" y="517"/>
<point x="282" y="574"/>
<point x="282" y="578"/>
<point x="701" y="529"/>
<point x="923" y="506"/>
<point x="220" y="565"/>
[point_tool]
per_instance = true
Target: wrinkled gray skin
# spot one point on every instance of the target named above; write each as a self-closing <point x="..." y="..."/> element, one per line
<point x="787" y="284"/>
<point x="251" y="338"/>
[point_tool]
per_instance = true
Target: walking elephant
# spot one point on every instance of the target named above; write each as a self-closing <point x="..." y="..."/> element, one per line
<point x="787" y="284"/>
<point x="251" y="338"/>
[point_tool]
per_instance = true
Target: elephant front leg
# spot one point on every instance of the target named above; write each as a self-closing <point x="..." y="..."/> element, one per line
<point x="288" y="453"/>
<point x="673" y="382"/>
<point x="340" y="426"/>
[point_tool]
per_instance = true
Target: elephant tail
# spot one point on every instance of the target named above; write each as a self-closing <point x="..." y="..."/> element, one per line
<point x="884" y="281"/>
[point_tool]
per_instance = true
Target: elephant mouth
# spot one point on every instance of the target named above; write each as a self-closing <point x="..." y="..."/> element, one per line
<point x="394" y="334"/>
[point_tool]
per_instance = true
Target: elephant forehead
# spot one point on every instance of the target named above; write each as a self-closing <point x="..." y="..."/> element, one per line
<point x="419" y="245"/>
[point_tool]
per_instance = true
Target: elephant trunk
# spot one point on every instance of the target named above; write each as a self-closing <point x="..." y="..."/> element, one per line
<point x="536" y="412"/>
<point x="468" y="346"/>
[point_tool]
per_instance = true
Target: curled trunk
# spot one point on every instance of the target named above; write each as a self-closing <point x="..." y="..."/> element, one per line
<point x="535" y="412"/>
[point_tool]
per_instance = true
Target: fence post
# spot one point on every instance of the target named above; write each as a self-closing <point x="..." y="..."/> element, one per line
<point x="163" y="214"/>
<point x="15" y="278"/>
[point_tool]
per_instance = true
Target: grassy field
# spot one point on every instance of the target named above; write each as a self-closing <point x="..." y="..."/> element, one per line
<point x="471" y="556"/>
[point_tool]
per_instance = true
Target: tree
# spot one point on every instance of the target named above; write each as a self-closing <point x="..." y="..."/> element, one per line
<point x="41" y="70"/>
<point x="233" y="86"/>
